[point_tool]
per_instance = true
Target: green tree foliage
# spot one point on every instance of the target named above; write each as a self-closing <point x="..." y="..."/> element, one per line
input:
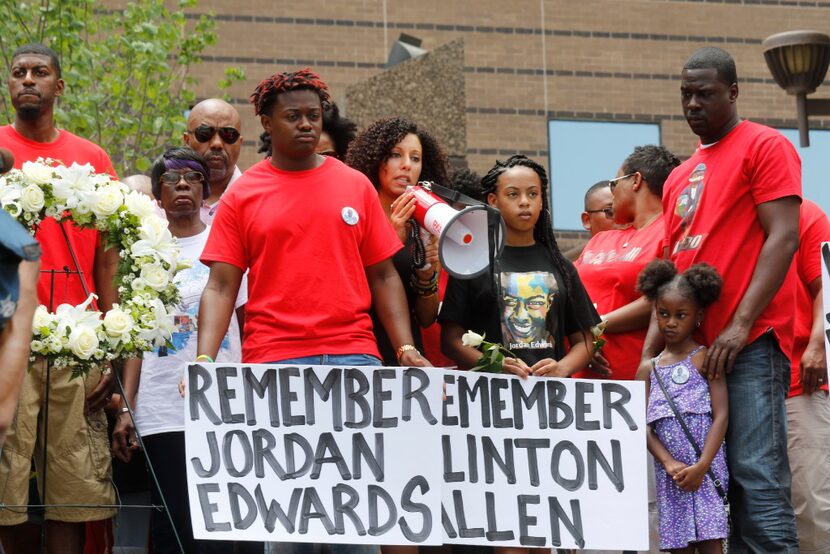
<point x="127" y="69"/>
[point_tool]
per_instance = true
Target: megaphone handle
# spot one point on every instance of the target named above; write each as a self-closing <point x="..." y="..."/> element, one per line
<point x="424" y="240"/>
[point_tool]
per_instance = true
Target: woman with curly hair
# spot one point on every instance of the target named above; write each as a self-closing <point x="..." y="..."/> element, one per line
<point x="395" y="154"/>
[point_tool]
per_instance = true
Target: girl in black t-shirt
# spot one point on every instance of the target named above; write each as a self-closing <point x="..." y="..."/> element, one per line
<point x="533" y="299"/>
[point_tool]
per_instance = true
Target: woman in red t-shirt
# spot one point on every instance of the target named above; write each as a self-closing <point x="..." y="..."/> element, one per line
<point x="395" y="154"/>
<point x="611" y="260"/>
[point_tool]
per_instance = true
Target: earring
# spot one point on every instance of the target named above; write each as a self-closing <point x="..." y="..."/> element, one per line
<point x="697" y="324"/>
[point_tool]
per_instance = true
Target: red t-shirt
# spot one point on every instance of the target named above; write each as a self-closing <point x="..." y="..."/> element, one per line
<point x="68" y="148"/>
<point x="608" y="267"/>
<point x="306" y="238"/>
<point x="814" y="229"/>
<point x="710" y="210"/>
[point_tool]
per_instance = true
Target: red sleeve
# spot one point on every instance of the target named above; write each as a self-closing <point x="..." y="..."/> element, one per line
<point x="775" y="170"/>
<point x="815" y="229"/>
<point x="379" y="239"/>
<point x="225" y="242"/>
<point x="106" y="165"/>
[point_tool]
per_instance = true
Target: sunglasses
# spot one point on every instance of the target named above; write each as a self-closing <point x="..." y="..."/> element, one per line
<point x="612" y="183"/>
<point x="609" y="212"/>
<point x="204" y="133"/>
<point x="190" y="177"/>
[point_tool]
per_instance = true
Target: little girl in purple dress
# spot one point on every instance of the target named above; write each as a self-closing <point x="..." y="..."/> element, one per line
<point x="692" y="515"/>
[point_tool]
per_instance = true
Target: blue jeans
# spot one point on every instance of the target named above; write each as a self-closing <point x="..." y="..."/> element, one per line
<point x="354" y="360"/>
<point x="756" y="446"/>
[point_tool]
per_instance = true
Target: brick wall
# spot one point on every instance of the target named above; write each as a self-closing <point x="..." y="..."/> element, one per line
<point x="615" y="60"/>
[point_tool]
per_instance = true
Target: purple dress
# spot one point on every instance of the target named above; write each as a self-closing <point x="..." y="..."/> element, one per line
<point x="686" y="517"/>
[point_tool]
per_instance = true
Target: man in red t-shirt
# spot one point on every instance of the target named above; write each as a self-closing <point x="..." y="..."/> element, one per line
<point x="808" y="410"/>
<point x="312" y="234"/>
<point x="734" y="204"/>
<point x="78" y="468"/>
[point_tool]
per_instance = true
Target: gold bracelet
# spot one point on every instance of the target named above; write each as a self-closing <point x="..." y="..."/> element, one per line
<point x="406" y="348"/>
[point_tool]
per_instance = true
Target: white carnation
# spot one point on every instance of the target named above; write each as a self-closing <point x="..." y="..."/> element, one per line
<point x="139" y="204"/>
<point x="37" y="172"/>
<point x="83" y="341"/>
<point x="42" y="318"/>
<point x="31" y="198"/>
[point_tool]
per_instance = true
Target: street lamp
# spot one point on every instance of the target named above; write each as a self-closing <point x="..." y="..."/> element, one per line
<point x="798" y="61"/>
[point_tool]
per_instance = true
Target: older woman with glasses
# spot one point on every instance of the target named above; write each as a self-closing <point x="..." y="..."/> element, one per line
<point x="611" y="261"/>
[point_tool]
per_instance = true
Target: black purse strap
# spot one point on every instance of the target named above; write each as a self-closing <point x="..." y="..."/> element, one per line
<point x="687" y="432"/>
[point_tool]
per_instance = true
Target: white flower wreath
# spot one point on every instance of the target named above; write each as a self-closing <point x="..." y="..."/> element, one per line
<point x="75" y="337"/>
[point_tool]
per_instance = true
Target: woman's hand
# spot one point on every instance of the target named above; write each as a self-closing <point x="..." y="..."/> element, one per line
<point x="433" y="263"/>
<point x="599" y="365"/>
<point x="403" y="207"/>
<point x="516" y="366"/>
<point x="547" y="367"/>
<point x="673" y="467"/>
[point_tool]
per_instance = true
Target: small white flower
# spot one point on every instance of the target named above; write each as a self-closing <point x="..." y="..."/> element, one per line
<point x="31" y="198"/>
<point x="471" y="339"/>
<point x="37" y="346"/>
<point x="38" y="172"/>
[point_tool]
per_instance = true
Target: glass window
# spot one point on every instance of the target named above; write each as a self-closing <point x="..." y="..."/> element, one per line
<point x="584" y="152"/>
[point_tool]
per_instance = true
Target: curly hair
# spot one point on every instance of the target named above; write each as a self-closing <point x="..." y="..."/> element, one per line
<point x="701" y="283"/>
<point x="265" y="94"/>
<point x="466" y="181"/>
<point x="373" y="146"/>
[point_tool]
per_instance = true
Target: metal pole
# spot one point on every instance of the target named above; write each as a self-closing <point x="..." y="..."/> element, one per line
<point x="801" y="116"/>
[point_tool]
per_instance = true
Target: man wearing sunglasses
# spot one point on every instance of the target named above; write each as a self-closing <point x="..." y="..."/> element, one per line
<point x="213" y="130"/>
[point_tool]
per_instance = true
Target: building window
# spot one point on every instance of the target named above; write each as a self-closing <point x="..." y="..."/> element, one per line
<point x="584" y="152"/>
<point x="815" y="166"/>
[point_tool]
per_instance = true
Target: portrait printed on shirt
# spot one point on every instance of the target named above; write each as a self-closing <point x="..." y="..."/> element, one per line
<point x="686" y="207"/>
<point x="526" y="301"/>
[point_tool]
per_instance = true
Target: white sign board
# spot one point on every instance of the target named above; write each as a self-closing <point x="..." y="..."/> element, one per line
<point x="314" y="453"/>
<point x="544" y="462"/>
<point x="825" y="293"/>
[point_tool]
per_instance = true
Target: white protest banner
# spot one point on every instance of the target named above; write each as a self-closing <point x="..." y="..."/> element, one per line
<point x="314" y="453"/>
<point x="544" y="462"/>
<point x="825" y="294"/>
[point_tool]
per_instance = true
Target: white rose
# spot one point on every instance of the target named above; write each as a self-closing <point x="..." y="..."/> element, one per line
<point x="139" y="205"/>
<point x="83" y="341"/>
<point x="107" y="200"/>
<point x="37" y="172"/>
<point x="471" y="339"/>
<point x="31" y="198"/>
<point x="42" y="318"/>
<point x="155" y="276"/>
<point x="117" y="322"/>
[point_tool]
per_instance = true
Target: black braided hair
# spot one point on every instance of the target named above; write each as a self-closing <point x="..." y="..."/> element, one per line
<point x="542" y="231"/>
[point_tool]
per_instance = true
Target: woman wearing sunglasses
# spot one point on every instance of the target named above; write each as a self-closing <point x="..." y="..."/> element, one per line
<point x="180" y="182"/>
<point x="611" y="261"/>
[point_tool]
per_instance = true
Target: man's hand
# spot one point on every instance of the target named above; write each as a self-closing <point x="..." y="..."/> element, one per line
<point x="813" y="368"/>
<point x="690" y="478"/>
<point x="721" y="355"/>
<point x="413" y="358"/>
<point x="101" y="394"/>
<point x="124" y="442"/>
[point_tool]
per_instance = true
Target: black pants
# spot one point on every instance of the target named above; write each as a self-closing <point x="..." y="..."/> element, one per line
<point x="166" y="452"/>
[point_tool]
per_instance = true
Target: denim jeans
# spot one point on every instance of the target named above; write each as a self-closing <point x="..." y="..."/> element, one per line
<point x="354" y="360"/>
<point x="756" y="446"/>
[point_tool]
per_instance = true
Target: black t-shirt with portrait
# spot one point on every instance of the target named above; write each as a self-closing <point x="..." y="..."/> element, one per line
<point x="533" y="292"/>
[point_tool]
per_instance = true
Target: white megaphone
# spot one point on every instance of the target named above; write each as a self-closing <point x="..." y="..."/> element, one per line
<point x="463" y="244"/>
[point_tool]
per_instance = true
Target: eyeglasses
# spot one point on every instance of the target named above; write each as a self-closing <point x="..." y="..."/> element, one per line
<point x="191" y="177"/>
<point x="204" y="133"/>
<point x="609" y="212"/>
<point x="612" y="183"/>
